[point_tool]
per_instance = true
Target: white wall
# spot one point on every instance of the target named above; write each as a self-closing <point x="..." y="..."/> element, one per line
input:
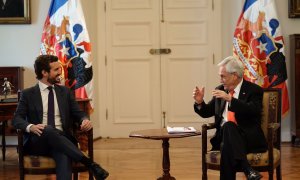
<point x="20" y="43"/>
<point x="231" y="11"/>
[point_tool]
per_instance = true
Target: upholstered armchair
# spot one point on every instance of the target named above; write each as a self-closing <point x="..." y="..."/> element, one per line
<point x="263" y="162"/>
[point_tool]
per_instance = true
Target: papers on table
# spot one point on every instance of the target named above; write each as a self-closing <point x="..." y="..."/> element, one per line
<point x="172" y="130"/>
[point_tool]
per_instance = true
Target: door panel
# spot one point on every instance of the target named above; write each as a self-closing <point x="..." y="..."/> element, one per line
<point x="133" y="75"/>
<point x="185" y="30"/>
<point x="131" y="4"/>
<point x="147" y="90"/>
<point x="187" y="3"/>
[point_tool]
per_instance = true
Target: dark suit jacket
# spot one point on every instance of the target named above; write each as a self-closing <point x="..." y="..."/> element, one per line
<point x="247" y="110"/>
<point x="30" y="109"/>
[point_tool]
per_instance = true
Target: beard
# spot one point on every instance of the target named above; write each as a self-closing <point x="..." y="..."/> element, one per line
<point x="54" y="80"/>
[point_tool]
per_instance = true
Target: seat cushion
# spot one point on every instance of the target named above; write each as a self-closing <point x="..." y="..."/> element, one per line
<point x="262" y="159"/>
<point x="38" y="162"/>
<point x="255" y="159"/>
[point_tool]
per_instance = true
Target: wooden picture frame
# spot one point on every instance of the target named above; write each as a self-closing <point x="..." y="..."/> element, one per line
<point x="15" y="12"/>
<point x="294" y="8"/>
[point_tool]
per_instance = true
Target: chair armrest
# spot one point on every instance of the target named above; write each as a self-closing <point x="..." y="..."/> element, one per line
<point x="209" y="125"/>
<point x="85" y="140"/>
<point x="206" y="127"/>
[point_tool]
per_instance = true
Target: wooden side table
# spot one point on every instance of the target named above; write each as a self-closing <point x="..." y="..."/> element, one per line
<point x="162" y="134"/>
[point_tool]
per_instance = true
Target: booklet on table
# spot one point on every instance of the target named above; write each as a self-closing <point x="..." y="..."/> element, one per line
<point x="172" y="130"/>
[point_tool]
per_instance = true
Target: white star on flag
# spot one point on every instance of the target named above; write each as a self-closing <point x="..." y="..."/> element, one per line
<point x="262" y="47"/>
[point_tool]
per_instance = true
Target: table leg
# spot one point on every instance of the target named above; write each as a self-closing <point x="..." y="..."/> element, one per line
<point x="166" y="162"/>
<point x="3" y="140"/>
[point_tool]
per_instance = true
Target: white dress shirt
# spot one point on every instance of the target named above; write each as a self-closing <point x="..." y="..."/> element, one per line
<point x="235" y="95"/>
<point x="44" y="94"/>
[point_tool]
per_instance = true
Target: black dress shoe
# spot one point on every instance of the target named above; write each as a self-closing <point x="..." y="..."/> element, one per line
<point x="98" y="171"/>
<point x="253" y="175"/>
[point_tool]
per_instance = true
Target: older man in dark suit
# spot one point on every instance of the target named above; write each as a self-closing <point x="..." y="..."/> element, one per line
<point x="236" y="105"/>
<point x="47" y="112"/>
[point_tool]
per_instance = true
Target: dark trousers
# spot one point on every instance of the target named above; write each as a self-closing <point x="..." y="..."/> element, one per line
<point x="54" y="143"/>
<point x="233" y="150"/>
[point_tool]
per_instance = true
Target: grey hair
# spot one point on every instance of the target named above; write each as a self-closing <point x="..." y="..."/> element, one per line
<point x="233" y="65"/>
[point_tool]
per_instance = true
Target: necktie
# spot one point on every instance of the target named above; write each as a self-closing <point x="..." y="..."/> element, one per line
<point x="230" y="114"/>
<point x="51" y="121"/>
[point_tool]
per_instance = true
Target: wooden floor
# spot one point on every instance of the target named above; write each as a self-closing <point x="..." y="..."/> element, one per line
<point x="141" y="159"/>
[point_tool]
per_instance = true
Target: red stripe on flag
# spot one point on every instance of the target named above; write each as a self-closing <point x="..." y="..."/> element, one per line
<point x="284" y="100"/>
<point x="81" y="93"/>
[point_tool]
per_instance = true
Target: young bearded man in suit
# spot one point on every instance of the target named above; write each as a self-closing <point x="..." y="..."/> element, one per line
<point x="47" y="113"/>
<point x="236" y="105"/>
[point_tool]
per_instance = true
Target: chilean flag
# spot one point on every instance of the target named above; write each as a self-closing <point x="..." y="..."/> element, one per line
<point x="65" y="35"/>
<point x="259" y="44"/>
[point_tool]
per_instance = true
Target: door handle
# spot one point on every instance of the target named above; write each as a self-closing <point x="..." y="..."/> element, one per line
<point x="160" y="51"/>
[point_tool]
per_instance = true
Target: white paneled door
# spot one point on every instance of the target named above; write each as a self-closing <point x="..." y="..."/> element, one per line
<point x="156" y="52"/>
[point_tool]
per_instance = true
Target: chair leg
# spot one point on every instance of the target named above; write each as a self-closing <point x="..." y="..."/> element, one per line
<point x="21" y="171"/>
<point x="91" y="177"/>
<point x="204" y="176"/>
<point x="75" y="176"/>
<point x="278" y="172"/>
<point x="22" y="176"/>
<point x="204" y="171"/>
<point x="271" y="172"/>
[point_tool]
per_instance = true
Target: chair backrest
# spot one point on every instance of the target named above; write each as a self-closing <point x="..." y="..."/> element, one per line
<point x="271" y="114"/>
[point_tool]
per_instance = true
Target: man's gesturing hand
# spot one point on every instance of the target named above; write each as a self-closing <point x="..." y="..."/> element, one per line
<point x="198" y="95"/>
<point x="222" y="94"/>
